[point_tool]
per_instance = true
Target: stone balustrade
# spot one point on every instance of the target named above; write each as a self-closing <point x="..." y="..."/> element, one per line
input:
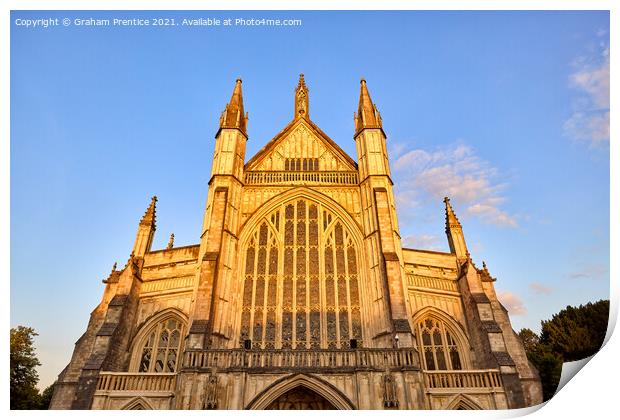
<point x="315" y="360"/>
<point x="305" y="177"/>
<point x="447" y="379"/>
<point x="134" y="381"/>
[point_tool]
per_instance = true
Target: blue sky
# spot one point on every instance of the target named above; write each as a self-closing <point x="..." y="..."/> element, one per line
<point x="505" y="112"/>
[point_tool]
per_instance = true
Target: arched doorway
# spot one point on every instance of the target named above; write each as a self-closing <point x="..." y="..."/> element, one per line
<point x="300" y="398"/>
<point x="300" y="391"/>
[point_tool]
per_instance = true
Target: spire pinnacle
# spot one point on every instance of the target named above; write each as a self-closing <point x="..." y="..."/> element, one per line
<point x="302" y="103"/>
<point x="149" y="216"/>
<point x="454" y="231"/>
<point x="451" y="219"/>
<point x="233" y="115"/>
<point x="368" y="115"/>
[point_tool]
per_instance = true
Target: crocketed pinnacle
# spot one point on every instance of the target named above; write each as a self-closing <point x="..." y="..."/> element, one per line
<point x="233" y="115"/>
<point x="368" y="115"/>
<point x="302" y="101"/>
<point x="149" y="216"/>
<point x="451" y="219"/>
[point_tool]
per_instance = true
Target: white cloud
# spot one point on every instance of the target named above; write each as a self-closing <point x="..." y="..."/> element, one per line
<point x="594" y="80"/>
<point x="588" y="126"/>
<point x="512" y="303"/>
<point x="454" y="171"/>
<point x="540" y="289"/>
<point x="590" y="119"/>
<point x="421" y="242"/>
<point x="493" y="215"/>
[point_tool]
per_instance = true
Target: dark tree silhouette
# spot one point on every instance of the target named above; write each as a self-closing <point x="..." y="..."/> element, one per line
<point x="572" y="334"/>
<point x="46" y="397"/>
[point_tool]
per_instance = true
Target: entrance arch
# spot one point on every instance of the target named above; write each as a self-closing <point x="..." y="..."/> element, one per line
<point x="301" y="391"/>
<point x="300" y="398"/>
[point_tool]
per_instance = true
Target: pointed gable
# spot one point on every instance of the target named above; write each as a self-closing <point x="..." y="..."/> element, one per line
<point x="301" y="139"/>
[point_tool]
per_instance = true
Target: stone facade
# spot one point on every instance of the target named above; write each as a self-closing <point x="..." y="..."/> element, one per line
<point x="299" y="294"/>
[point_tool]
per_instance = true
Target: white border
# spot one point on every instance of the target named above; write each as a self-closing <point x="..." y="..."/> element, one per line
<point x="592" y="394"/>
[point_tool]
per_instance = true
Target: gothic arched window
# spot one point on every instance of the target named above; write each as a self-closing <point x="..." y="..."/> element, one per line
<point x="438" y="347"/>
<point x="301" y="285"/>
<point x="161" y="347"/>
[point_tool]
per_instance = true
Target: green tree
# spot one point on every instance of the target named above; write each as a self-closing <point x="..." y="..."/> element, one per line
<point x="529" y="338"/>
<point x="24" y="377"/>
<point x="46" y="397"/>
<point x="577" y="332"/>
<point x="572" y="334"/>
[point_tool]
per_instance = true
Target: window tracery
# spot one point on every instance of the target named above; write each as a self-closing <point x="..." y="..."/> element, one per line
<point x="309" y="297"/>
<point x="437" y="345"/>
<point x="161" y="347"/>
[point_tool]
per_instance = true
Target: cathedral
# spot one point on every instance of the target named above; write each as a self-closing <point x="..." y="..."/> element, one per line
<point x="299" y="294"/>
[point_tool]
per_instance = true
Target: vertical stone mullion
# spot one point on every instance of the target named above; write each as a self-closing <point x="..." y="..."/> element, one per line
<point x="345" y="250"/>
<point x="332" y="234"/>
<point x="280" y="282"/>
<point x="254" y="277"/>
<point x="288" y="265"/>
<point x="434" y="347"/>
<point x="294" y="253"/>
<point x="154" y="349"/>
<point x="308" y="290"/>
<point x="322" y="280"/>
<point x="265" y="291"/>
<point x="445" y="347"/>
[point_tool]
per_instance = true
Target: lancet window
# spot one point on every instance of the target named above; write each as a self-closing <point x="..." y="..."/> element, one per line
<point x="301" y="164"/>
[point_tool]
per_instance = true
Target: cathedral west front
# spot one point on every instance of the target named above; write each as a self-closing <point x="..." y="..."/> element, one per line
<point x="299" y="294"/>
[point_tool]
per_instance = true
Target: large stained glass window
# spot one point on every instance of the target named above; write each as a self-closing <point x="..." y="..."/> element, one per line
<point x="301" y="281"/>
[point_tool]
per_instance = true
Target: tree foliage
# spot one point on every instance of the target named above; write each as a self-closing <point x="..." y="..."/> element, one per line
<point x="577" y="332"/>
<point x="24" y="377"/>
<point x="529" y="338"/>
<point x="46" y="397"/>
<point x="572" y="334"/>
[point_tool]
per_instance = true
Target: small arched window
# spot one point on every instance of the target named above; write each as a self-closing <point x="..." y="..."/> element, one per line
<point x="160" y="350"/>
<point x="438" y="347"/>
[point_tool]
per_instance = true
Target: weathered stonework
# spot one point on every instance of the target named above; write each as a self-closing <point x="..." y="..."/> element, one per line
<point x="299" y="295"/>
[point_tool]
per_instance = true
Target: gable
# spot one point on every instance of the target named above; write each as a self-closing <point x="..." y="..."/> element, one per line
<point x="301" y="139"/>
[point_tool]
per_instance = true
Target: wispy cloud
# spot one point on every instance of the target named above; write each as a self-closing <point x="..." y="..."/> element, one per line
<point x="590" y="119"/>
<point x="512" y="303"/>
<point x="454" y="171"/>
<point x="589" y="272"/>
<point x="421" y="242"/>
<point x="540" y="289"/>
